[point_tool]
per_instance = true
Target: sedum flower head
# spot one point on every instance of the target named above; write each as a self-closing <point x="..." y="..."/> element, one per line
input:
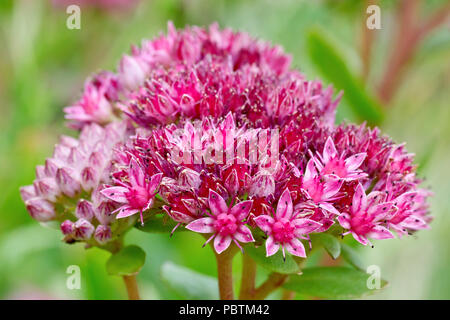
<point x="212" y="129"/>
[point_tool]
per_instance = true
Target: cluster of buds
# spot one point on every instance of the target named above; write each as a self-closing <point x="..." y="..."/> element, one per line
<point x="211" y="129"/>
<point x="68" y="187"/>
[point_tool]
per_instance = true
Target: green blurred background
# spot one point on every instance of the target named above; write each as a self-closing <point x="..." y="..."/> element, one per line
<point x="42" y="69"/>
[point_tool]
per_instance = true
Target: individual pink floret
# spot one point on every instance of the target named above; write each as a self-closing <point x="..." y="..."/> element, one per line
<point x="225" y="223"/>
<point x="366" y="216"/>
<point x="285" y="228"/>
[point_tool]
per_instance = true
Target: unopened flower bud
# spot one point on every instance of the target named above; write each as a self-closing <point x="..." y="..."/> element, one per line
<point x="67" y="227"/>
<point x="68" y="141"/>
<point x="96" y="159"/>
<point x="103" y="212"/>
<point x="40" y="209"/>
<point x="102" y="234"/>
<point x="51" y="166"/>
<point x="83" y="229"/>
<point x="89" y="178"/>
<point x="47" y="188"/>
<point x="67" y="181"/>
<point x="190" y="178"/>
<point x="84" y="210"/>
<point x="61" y="152"/>
<point x="262" y="185"/>
<point x="27" y="192"/>
<point x="131" y="73"/>
<point x="40" y="172"/>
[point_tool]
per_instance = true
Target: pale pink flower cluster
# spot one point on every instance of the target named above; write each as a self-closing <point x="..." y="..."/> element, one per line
<point x="212" y="129"/>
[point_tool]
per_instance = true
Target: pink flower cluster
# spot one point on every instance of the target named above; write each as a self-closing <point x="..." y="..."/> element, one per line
<point x="214" y="130"/>
<point x="68" y="187"/>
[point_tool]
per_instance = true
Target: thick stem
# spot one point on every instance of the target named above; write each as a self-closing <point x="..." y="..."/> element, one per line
<point x="248" y="278"/>
<point x="288" y="295"/>
<point x="274" y="281"/>
<point x="225" y="273"/>
<point x="132" y="288"/>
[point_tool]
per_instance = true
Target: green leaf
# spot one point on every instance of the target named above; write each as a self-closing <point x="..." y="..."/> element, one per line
<point x="273" y="263"/>
<point x="330" y="244"/>
<point x="158" y="224"/>
<point x="332" y="66"/>
<point x="188" y="283"/>
<point x="351" y="256"/>
<point x="126" y="262"/>
<point x="331" y="283"/>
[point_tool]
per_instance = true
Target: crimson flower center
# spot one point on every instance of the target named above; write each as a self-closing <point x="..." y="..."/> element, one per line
<point x="335" y="166"/>
<point x="362" y="225"/>
<point x="283" y="231"/>
<point x="138" y="197"/>
<point x="314" y="188"/>
<point x="225" y="224"/>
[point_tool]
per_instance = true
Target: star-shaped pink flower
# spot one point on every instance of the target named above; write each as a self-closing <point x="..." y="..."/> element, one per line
<point x="225" y="223"/>
<point x="285" y="228"/>
<point x="366" y="215"/>
<point x="137" y="194"/>
<point x="330" y="163"/>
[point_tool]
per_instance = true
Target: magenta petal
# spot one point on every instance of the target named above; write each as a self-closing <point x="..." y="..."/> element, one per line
<point x="243" y="234"/>
<point x="190" y="204"/>
<point x="329" y="151"/>
<point x="329" y="207"/>
<point x="126" y="212"/>
<point x="136" y="173"/>
<point x="317" y="162"/>
<point x="271" y="247"/>
<point x="178" y="216"/>
<point x="202" y="225"/>
<point x="361" y="239"/>
<point x="331" y="188"/>
<point x="116" y="194"/>
<point x="405" y="197"/>
<point x="414" y="222"/>
<point x="221" y="243"/>
<point x="359" y="202"/>
<point x="380" y="211"/>
<point x="264" y="222"/>
<point x="296" y="248"/>
<point x="155" y="180"/>
<point x="284" y="207"/>
<point x="375" y="197"/>
<point x="217" y="204"/>
<point x="380" y="233"/>
<point x="310" y="171"/>
<point x="232" y="182"/>
<point x="354" y="162"/>
<point x="344" y="220"/>
<point x="305" y="226"/>
<point x="242" y="209"/>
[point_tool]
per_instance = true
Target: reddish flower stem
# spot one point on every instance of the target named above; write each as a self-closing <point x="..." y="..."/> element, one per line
<point x="225" y="273"/>
<point x="288" y="295"/>
<point x="274" y="281"/>
<point x="132" y="287"/>
<point x="248" y="278"/>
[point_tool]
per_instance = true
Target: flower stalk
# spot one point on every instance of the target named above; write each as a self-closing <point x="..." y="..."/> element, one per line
<point x="132" y="287"/>
<point x="288" y="295"/>
<point x="248" y="278"/>
<point x="225" y="273"/>
<point x="272" y="283"/>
